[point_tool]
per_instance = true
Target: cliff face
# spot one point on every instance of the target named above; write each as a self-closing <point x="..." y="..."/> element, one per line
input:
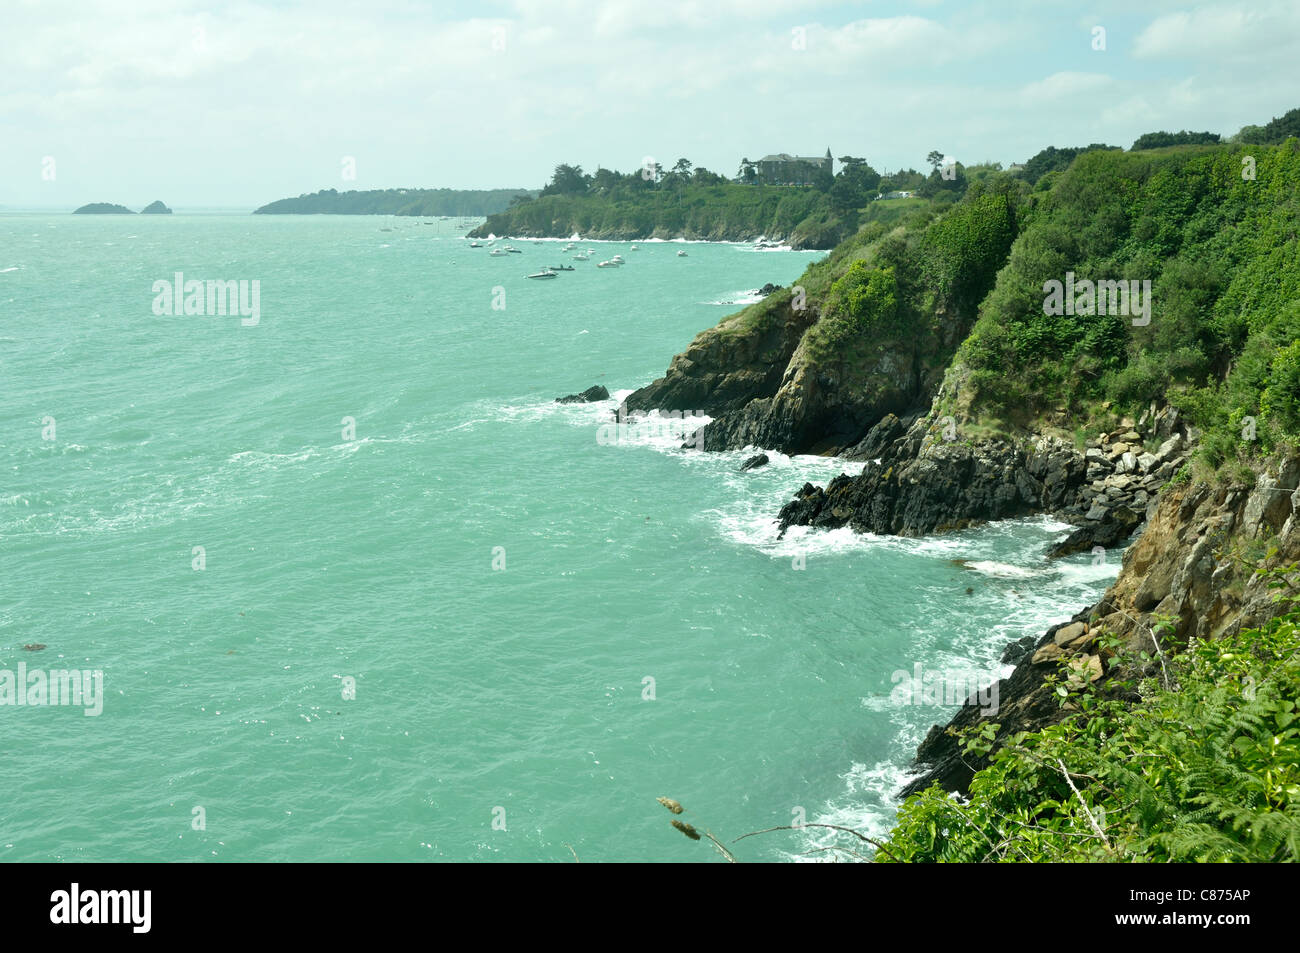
<point x="926" y="478"/>
<point x="729" y="365"/>
<point x="1192" y="566"/>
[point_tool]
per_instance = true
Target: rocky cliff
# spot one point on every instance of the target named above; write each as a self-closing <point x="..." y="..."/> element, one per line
<point x="1190" y="574"/>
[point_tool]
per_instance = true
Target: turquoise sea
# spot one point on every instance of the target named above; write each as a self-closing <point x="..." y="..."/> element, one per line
<point x="547" y="625"/>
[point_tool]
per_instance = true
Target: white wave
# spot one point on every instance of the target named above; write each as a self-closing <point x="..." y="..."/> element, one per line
<point x="737" y="297"/>
<point x="13" y="268"/>
<point x="1002" y="570"/>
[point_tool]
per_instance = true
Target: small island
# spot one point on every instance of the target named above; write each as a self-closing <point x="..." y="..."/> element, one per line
<point x="103" y="208"/>
<point x="155" y="208"/>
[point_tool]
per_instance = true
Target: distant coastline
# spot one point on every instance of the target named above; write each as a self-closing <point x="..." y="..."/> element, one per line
<point x="450" y="202"/>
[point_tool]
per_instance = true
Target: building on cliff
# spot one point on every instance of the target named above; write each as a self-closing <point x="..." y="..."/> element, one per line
<point x="784" y="169"/>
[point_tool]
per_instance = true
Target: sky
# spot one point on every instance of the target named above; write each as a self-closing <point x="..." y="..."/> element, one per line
<point x="232" y="105"/>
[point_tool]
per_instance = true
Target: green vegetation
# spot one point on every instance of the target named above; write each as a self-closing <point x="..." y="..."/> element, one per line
<point x="1272" y="133"/>
<point x="1158" y="140"/>
<point x="430" y="202"/>
<point x="921" y="281"/>
<point x="693" y="202"/>
<point x="1220" y="251"/>
<point x="1053" y="159"/>
<point x="1207" y="769"/>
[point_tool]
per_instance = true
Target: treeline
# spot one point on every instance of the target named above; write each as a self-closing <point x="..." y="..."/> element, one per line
<point x="686" y="201"/>
<point x="451" y="202"/>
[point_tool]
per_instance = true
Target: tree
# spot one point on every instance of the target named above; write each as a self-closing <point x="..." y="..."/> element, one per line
<point x="1272" y="133"/>
<point x="853" y="188"/>
<point x="748" y="172"/>
<point x="1156" y="140"/>
<point x="567" y="180"/>
<point x="682" y="168"/>
<point x="935" y="159"/>
<point x="848" y="161"/>
<point x="605" y="180"/>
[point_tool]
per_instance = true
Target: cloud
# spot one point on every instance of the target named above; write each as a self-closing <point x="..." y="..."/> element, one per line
<point x="1231" y="32"/>
<point x="1063" y="85"/>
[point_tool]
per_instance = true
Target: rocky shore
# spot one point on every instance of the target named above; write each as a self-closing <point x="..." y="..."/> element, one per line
<point x="1192" y="567"/>
<point x="922" y="478"/>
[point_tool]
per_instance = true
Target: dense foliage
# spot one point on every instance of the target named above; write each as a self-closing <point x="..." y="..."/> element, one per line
<point x="693" y="202"/>
<point x="1158" y="140"/>
<point x="397" y="202"/>
<point x="1053" y="159"/>
<point x="1213" y="229"/>
<point x="1274" y="132"/>
<point x="1207" y="769"/>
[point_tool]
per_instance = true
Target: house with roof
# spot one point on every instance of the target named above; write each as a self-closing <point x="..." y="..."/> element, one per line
<point x="785" y="169"/>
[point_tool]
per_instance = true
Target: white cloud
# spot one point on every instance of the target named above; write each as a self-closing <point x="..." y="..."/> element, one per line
<point x="1236" y="31"/>
<point x="1063" y="85"/>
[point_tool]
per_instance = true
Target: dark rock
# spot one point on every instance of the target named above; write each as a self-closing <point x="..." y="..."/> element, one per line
<point x="586" y="397"/>
<point x="1025" y="702"/>
<point x="767" y="289"/>
<point x="1018" y="650"/>
<point x="923" y="484"/>
<point x="754" y="462"/>
<point x="1114" y="527"/>
<point x="34" y="647"/>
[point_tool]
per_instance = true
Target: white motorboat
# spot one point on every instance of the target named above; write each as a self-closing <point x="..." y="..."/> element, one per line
<point x="544" y="273"/>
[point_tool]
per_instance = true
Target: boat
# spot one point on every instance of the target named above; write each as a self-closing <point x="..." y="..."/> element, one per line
<point x="475" y="244"/>
<point x="498" y="253"/>
<point x="559" y="268"/>
<point x="512" y="250"/>
<point x="544" y="273"/>
<point x="579" y="257"/>
<point x="608" y="264"/>
<point x="634" y="248"/>
<point x="618" y="259"/>
<point x="681" y="254"/>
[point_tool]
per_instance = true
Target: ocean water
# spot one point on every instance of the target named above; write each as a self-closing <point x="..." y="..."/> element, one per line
<point x="545" y="624"/>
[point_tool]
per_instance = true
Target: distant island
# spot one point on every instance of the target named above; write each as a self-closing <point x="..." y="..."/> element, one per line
<point x="451" y="202"/>
<point x="155" y="208"/>
<point x="103" y="208"/>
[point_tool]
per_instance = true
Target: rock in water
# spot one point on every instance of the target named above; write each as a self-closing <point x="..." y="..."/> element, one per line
<point x="586" y="397"/>
<point x="155" y="208"/>
<point x="754" y="462"/>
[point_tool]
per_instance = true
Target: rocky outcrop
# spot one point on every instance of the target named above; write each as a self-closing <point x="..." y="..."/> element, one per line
<point x="726" y="367"/>
<point x="754" y="462"/>
<point x="586" y="397"/>
<point x="922" y="478"/>
<point x="1123" y="479"/>
<point x="155" y="208"/>
<point x="1193" y="565"/>
<point x="103" y="208"/>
